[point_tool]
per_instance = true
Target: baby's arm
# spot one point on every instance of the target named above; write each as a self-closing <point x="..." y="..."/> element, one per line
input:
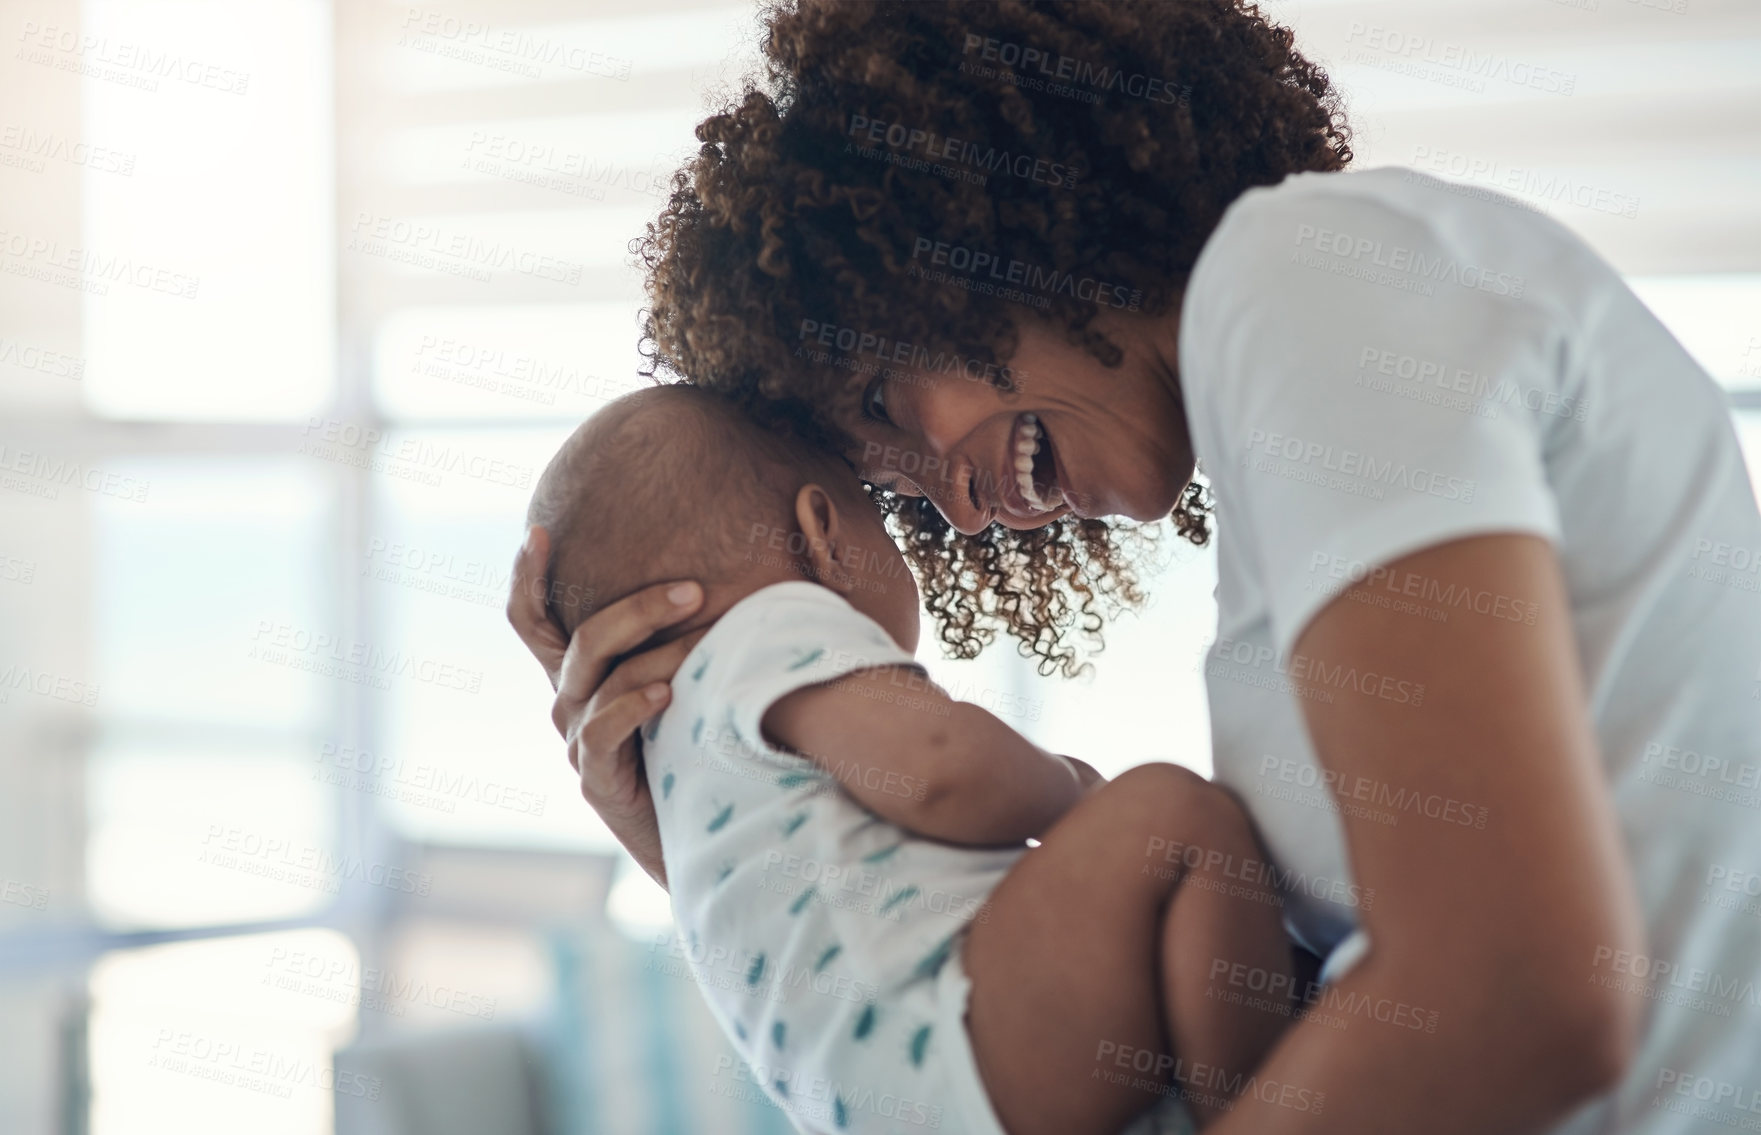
<point x="941" y="768"/>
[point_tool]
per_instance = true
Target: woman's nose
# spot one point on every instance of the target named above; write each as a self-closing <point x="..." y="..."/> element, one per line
<point x="951" y="493"/>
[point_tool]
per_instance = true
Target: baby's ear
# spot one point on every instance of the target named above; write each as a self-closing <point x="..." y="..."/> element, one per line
<point x="816" y="513"/>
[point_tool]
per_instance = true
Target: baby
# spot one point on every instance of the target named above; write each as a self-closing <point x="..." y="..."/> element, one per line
<point x="848" y="848"/>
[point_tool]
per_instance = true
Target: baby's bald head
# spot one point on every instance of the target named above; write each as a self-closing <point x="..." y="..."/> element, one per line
<point x="668" y="483"/>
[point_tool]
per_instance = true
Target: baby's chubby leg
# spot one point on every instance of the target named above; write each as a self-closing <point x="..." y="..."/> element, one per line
<point x="1092" y="964"/>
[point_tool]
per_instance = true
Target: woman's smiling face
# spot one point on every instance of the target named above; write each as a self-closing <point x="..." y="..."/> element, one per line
<point x="1074" y="436"/>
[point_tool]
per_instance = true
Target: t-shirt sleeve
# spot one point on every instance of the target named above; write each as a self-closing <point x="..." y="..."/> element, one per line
<point x="1360" y="388"/>
<point x="788" y="638"/>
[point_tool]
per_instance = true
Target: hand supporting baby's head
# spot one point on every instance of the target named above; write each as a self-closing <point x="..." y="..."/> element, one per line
<point x="674" y="482"/>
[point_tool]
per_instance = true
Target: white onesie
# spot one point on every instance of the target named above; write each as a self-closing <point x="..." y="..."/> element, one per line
<point x="826" y="939"/>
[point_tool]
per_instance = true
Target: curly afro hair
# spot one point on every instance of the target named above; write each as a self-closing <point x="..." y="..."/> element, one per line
<point x="1092" y="140"/>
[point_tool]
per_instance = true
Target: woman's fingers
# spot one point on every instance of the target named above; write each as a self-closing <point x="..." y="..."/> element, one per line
<point x="526" y="604"/>
<point x="618" y="629"/>
<point x="651" y="670"/>
<point x="607" y="738"/>
<point x="658" y="664"/>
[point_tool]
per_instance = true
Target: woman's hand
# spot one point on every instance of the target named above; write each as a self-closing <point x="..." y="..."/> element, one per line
<point x="599" y="709"/>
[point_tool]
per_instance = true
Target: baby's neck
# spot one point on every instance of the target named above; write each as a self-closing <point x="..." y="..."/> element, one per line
<point x="719" y="597"/>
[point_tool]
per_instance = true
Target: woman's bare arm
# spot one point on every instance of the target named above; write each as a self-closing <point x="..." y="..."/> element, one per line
<point x="1495" y="931"/>
<point x="600" y="707"/>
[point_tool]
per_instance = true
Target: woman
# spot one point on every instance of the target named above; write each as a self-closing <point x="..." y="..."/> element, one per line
<point x="1485" y="675"/>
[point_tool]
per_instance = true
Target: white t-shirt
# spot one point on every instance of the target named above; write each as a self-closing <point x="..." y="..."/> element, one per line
<point x="1374" y="363"/>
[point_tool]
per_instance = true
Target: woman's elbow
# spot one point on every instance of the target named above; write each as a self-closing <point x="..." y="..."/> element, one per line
<point x="1596" y="1038"/>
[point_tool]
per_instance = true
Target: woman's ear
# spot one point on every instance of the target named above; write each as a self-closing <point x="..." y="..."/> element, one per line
<point x="817" y="515"/>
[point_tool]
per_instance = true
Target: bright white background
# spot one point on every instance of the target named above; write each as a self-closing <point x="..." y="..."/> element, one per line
<point x="216" y="593"/>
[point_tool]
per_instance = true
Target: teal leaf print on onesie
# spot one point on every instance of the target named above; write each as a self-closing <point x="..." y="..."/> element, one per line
<point x="793" y="824"/>
<point x="919" y="1046"/>
<point x="840" y="1113"/>
<point x="865" y="1023"/>
<point x="905" y="895"/>
<point x="697" y="674"/>
<point x="666" y="785"/>
<point x="720" y="820"/>
<point x="883" y="854"/>
<point x="826" y="956"/>
<point x="933" y="962"/>
<point x="808" y="659"/>
<point x="755" y="971"/>
<point x="777" y="1031"/>
<point x="800" y="904"/>
<point x="697" y="732"/>
<point x="726" y="870"/>
<point x="797" y="779"/>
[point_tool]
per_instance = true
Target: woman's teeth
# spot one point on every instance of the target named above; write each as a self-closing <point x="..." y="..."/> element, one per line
<point x="1027" y="442"/>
